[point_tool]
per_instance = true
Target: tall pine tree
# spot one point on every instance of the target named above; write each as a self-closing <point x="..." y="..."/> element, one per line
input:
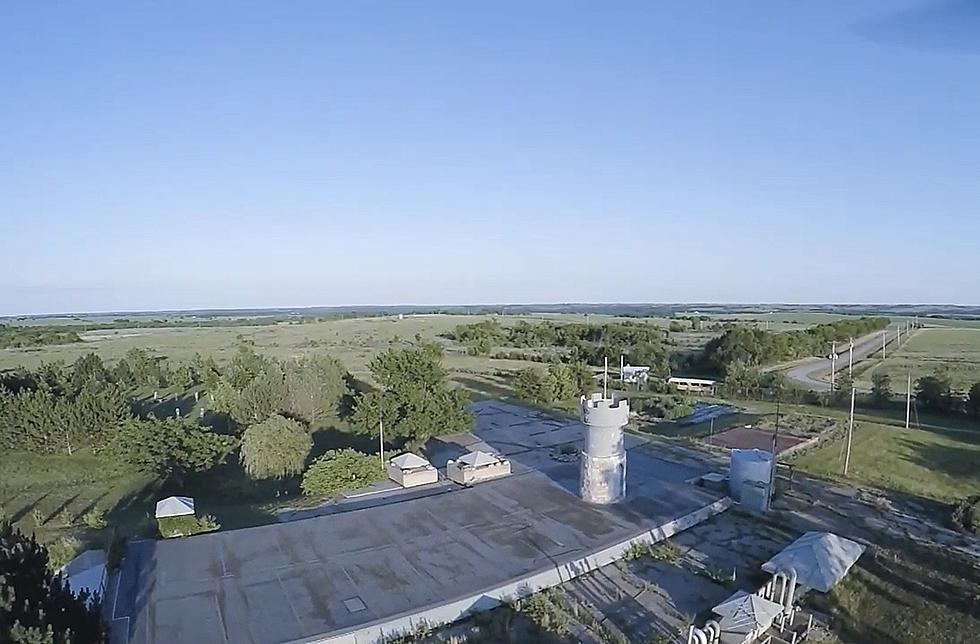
<point x="36" y="606"/>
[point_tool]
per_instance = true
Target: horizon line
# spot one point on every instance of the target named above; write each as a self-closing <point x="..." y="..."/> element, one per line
<point x="434" y="307"/>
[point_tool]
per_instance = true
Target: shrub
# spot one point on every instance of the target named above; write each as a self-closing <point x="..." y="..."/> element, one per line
<point x="663" y="551"/>
<point x="340" y="470"/>
<point x="94" y="519"/>
<point x="185" y="526"/>
<point x="669" y="407"/>
<point x="62" y="551"/>
<point x="966" y="515"/>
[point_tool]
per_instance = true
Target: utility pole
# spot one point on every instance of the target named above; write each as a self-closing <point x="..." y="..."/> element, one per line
<point x="621" y="369"/>
<point x="381" y="439"/>
<point x="850" y="357"/>
<point x="899" y="328"/>
<point x="850" y="433"/>
<point x="884" y="335"/>
<point x="833" y="363"/>
<point x="908" y="401"/>
<point x="772" y="470"/>
<point x="605" y="378"/>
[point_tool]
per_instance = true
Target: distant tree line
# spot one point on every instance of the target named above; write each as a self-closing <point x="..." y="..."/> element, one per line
<point x="741" y="347"/>
<point x="13" y="336"/>
<point x="591" y="344"/>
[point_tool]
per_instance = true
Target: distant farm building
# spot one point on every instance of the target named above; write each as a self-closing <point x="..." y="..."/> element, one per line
<point x="698" y="386"/>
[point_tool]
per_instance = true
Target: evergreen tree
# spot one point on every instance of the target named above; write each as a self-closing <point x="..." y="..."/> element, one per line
<point x="973" y="400"/>
<point x="172" y="446"/>
<point x="89" y="368"/>
<point x="36" y="606"/>
<point x="529" y="384"/>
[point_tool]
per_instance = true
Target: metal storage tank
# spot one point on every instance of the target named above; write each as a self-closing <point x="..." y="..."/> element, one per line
<point x="755" y="496"/>
<point x="748" y="466"/>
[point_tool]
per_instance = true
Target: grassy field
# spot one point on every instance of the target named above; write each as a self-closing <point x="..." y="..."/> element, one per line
<point x="354" y="341"/>
<point x="50" y="495"/>
<point x="903" y="593"/>
<point x="958" y="324"/>
<point x="788" y="321"/>
<point x="939" y="464"/>
<point x="955" y="350"/>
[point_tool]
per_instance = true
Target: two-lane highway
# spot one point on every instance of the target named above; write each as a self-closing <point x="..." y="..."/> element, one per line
<point x="809" y="373"/>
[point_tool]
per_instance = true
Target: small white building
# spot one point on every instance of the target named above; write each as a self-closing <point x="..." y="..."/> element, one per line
<point x="635" y="374"/>
<point x="476" y="467"/>
<point x="697" y="386"/>
<point x="175" y="506"/>
<point x="410" y="470"/>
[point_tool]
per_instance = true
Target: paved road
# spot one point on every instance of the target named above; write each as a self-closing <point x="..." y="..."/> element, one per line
<point x="809" y="373"/>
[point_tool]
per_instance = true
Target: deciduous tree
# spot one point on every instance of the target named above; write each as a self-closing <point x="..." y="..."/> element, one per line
<point x="881" y="388"/>
<point x="314" y="388"/>
<point x="415" y="399"/>
<point x="275" y="448"/>
<point x="933" y="393"/>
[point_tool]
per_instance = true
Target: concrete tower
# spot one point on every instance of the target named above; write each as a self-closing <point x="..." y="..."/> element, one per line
<point x="604" y="457"/>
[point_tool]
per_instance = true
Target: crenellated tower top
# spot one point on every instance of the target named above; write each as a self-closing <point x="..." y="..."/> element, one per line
<point x="597" y="411"/>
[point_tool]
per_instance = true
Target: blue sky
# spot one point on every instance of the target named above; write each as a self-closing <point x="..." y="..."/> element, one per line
<point x="184" y="154"/>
